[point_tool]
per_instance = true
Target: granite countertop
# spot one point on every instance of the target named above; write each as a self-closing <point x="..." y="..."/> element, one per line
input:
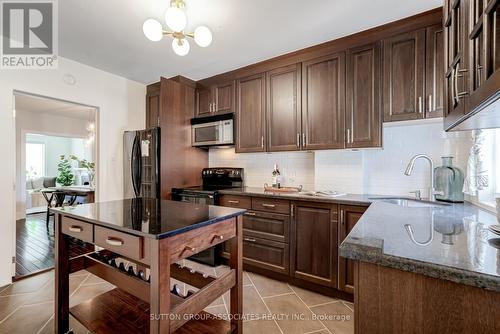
<point x="449" y="242"/>
<point x="349" y="199"/>
<point x="150" y="218"/>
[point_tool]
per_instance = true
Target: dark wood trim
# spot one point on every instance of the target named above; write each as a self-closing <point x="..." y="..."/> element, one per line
<point x="414" y="22"/>
<point x="61" y="311"/>
<point x="236" y="264"/>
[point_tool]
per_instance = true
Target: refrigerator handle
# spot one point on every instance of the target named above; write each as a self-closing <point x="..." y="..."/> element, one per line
<point x="136" y="166"/>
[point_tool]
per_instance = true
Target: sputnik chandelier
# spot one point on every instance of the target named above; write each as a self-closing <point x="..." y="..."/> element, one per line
<point x="176" y="21"/>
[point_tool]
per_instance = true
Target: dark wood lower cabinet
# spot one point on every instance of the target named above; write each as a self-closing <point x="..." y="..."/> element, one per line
<point x="300" y="247"/>
<point x="314" y="243"/>
<point x="349" y="216"/>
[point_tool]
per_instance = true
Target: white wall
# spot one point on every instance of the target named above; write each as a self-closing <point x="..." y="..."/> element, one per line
<point x="372" y="171"/>
<point x="121" y="105"/>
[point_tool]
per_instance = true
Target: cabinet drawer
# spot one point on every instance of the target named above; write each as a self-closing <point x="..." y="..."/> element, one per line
<point x="233" y="201"/>
<point x="266" y="254"/>
<point x="127" y="245"/>
<point x="271" y="205"/>
<point x="78" y="229"/>
<point x="270" y="226"/>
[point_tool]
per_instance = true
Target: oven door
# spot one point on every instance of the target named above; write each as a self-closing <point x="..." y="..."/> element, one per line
<point x="196" y="198"/>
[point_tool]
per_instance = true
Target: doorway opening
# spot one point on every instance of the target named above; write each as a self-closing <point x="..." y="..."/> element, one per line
<point x="56" y="153"/>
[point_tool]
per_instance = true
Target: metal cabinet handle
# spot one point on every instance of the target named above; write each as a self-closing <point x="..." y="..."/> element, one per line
<point x="303" y="139"/>
<point x="342" y="221"/>
<point x="249" y="239"/>
<point x="298" y="139"/>
<point x="292" y="209"/>
<point x="114" y="241"/>
<point x="75" y="229"/>
<point x="268" y="205"/>
<point x="458" y="95"/>
<point x="217" y="237"/>
<point x="420" y="104"/>
<point x="233" y="202"/>
<point x="262" y="141"/>
<point x="430" y="103"/>
<point x="250" y="214"/>
<point x="348" y="133"/>
<point x="479" y="69"/>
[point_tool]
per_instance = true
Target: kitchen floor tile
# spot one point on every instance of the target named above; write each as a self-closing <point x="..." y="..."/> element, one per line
<point x="30" y="318"/>
<point x="74" y="326"/>
<point x="30" y="284"/>
<point x="218" y="311"/>
<point x="337" y="317"/>
<point x="292" y="315"/>
<point x="84" y="293"/>
<point x="261" y="327"/>
<point x="311" y="298"/>
<point x="268" y="287"/>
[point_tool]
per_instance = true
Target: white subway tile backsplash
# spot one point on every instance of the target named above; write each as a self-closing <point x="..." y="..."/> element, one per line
<point x="373" y="171"/>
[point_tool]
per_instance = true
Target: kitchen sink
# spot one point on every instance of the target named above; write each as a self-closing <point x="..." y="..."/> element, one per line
<point x="409" y="202"/>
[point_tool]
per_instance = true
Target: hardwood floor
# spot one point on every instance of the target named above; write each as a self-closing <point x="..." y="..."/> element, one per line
<point x="35" y="245"/>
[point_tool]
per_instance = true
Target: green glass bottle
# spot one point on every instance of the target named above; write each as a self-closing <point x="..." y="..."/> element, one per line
<point x="449" y="182"/>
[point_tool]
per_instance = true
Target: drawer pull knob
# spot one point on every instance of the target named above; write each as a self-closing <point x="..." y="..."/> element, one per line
<point x="249" y="239"/>
<point x="114" y="241"/>
<point x="268" y="205"/>
<point x="218" y="237"/>
<point x="189" y="249"/>
<point x="233" y="202"/>
<point x="75" y="229"/>
<point x="249" y="213"/>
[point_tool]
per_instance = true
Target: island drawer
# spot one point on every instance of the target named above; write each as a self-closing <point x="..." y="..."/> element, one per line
<point x="189" y="243"/>
<point x="234" y="201"/>
<point x="124" y="244"/>
<point x="271" y="205"/>
<point x="266" y="225"/>
<point x="77" y="229"/>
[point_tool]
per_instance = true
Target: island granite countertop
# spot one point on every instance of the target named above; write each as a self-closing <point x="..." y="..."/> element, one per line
<point x="449" y="242"/>
<point x="151" y="218"/>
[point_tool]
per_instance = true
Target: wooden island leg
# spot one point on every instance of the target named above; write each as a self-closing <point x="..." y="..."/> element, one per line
<point x="236" y="262"/>
<point x="160" y="287"/>
<point x="61" y="304"/>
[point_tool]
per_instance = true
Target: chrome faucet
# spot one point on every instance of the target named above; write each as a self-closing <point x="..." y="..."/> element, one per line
<point x="409" y="170"/>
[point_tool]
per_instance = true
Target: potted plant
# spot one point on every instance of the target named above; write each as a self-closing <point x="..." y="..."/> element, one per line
<point x="66" y="177"/>
<point x="88" y="165"/>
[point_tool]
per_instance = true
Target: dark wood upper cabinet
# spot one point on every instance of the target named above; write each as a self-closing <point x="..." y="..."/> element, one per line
<point x="283" y="109"/>
<point x="217" y="99"/>
<point x="314" y="243"/>
<point x="349" y="216"/>
<point x="434" y="71"/>
<point x="363" y="115"/>
<point x="404" y="72"/>
<point x="203" y="101"/>
<point x="250" y="114"/>
<point x="153" y="105"/>
<point x="323" y="102"/>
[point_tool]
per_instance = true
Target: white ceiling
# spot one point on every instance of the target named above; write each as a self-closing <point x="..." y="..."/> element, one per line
<point x="108" y="34"/>
<point x="39" y="105"/>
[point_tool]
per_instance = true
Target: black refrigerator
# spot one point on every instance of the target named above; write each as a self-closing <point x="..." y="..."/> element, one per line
<point x="141" y="163"/>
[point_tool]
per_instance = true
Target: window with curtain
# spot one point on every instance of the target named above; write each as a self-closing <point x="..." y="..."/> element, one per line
<point x="35" y="160"/>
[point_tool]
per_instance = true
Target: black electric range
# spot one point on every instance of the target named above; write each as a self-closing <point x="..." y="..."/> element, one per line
<point x="214" y="179"/>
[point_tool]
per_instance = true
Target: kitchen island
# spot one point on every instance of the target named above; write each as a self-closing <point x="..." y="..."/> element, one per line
<point x="425" y="269"/>
<point x="152" y="235"/>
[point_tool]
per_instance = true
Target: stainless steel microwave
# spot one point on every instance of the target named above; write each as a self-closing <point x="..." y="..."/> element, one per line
<point x="217" y="130"/>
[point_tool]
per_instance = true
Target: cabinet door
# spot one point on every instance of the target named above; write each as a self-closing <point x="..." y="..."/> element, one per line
<point x="434" y="72"/>
<point x="203" y="102"/>
<point x="223" y="98"/>
<point x="153" y="106"/>
<point x="404" y="72"/>
<point x="264" y="225"/>
<point x="323" y="102"/>
<point x="266" y="254"/>
<point x="283" y="109"/>
<point x="363" y="114"/>
<point x="250" y="114"/>
<point x="314" y="243"/>
<point x="349" y="216"/>
<point x="455" y="25"/>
